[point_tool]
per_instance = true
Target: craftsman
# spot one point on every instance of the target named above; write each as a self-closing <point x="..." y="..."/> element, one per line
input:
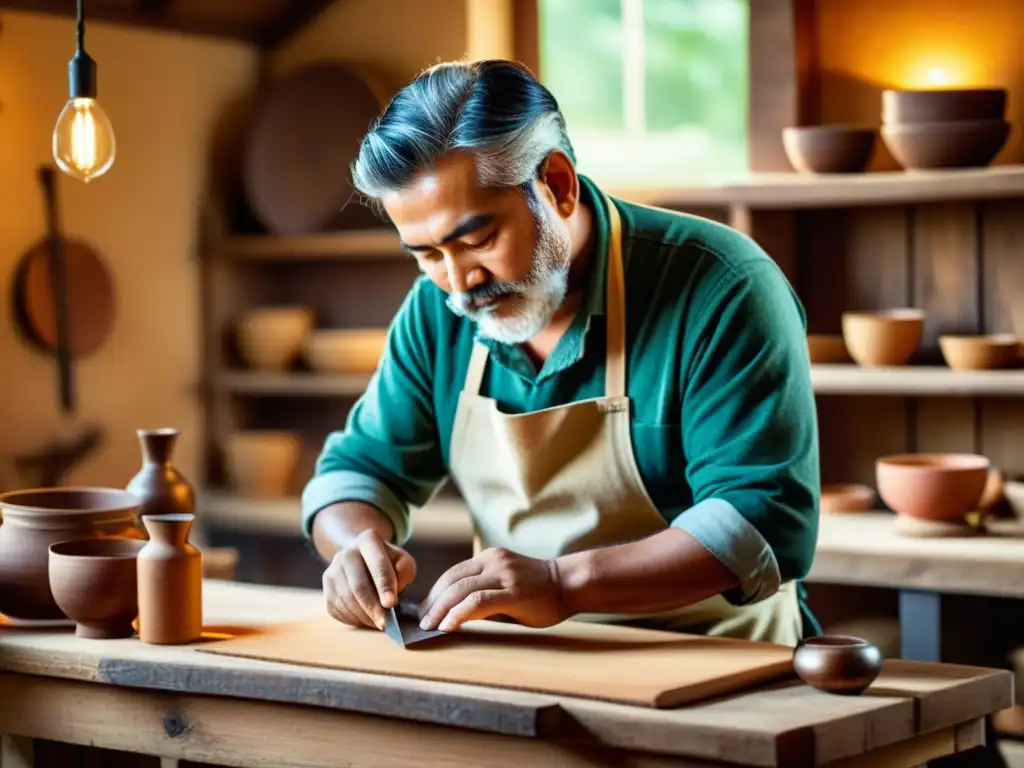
<point x="620" y="394"/>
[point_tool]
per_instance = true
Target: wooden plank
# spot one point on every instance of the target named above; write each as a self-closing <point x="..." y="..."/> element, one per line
<point x="863" y="550"/>
<point x="911" y="380"/>
<point x="369" y="244"/>
<point x="946" y="271"/>
<point x="946" y="424"/>
<point x="782" y="66"/>
<point x="849" y="450"/>
<point x="795" y="190"/>
<point x="16" y="752"/>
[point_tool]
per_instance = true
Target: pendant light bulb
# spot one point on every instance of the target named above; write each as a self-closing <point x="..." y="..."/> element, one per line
<point x="83" y="138"/>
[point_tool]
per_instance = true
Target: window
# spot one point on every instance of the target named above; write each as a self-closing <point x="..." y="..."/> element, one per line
<point x="653" y="91"/>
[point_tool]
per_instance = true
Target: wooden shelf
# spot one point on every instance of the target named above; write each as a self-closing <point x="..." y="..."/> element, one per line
<point x="355" y="244"/>
<point x="914" y="380"/>
<point x="832" y="379"/>
<point x="293" y="384"/>
<point x="441" y="521"/>
<point x="794" y="190"/>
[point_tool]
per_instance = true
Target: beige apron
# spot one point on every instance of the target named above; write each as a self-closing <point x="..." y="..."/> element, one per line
<point x="564" y="479"/>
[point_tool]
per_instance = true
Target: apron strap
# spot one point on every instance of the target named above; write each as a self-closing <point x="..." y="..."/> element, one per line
<point x="615" y="308"/>
<point x="475" y="372"/>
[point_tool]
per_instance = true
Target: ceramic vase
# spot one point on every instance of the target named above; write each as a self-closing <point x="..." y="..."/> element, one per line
<point x="161" y="488"/>
<point x="36" y="518"/>
<point x="170" y="582"/>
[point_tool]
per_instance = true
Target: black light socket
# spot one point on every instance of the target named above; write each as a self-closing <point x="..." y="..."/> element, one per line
<point x="82" y="76"/>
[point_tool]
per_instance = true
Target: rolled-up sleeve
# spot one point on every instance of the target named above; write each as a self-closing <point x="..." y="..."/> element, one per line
<point x="750" y="432"/>
<point x="388" y="453"/>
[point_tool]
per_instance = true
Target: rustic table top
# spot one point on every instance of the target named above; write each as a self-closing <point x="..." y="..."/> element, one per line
<point x="861" y="548"/>
<point x="780" y="724"/>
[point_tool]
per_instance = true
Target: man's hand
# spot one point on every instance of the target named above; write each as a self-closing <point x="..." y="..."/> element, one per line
<point x="365" y="578"/>
<point x="495" y="582"/>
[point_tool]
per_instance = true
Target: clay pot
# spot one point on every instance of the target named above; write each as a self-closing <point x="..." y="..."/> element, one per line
<point x="270" y="338"/>
<point x="837" y="663"/>
<point x="885" y="337"/>
<point x="829" y="148"/>
<point x="170" y="574"/>
<point x="939" y="486"/>
<point x="33" y="520"/>
<point x="955" y="144"/>
<point x="345" y="350"/>
<point x="978" y="353"/>
<point x="846" y="497"/>
<point x="262" y="464"/>
<point x="943" y="105"/>
<point x="825" y="348"/>
<point x="161" y="488"/>
<point x="94" y="583"/>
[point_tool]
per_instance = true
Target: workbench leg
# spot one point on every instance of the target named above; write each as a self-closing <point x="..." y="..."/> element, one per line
<point x="921" y="640"/>
<point x="17" y="752"/>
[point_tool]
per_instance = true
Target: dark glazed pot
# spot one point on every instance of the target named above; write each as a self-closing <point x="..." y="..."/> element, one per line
<point x="161" y="488"/>
<point x="33" y="520"/>
<point x="837" y="663"/>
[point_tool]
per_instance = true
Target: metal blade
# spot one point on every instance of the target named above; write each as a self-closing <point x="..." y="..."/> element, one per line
<point x="403" y="625"/>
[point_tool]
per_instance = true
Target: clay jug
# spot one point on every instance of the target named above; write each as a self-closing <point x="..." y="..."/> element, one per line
<point x="33" y="519"/>
<point x="170" y="578"/>
<point x="161" y="488"/>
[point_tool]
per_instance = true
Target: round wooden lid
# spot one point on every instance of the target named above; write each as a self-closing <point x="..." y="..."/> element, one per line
<point x="303" y="139"/>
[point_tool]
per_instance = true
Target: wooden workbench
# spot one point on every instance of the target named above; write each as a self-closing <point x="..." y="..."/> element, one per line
<point x="177" y="703"/>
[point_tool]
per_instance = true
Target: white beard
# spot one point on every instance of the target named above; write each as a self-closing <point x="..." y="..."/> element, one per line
<point x="535" y="298"/>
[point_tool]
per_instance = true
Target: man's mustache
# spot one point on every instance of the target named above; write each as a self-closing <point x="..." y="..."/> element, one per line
<point x="471" y="299"/>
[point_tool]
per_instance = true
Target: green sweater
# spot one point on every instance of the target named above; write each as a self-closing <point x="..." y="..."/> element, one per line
<point x="723" y="422"/>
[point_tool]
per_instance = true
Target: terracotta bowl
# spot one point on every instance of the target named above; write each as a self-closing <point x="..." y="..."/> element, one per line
<point x="94" y="583"/>
<point x="33" y="519"/>
<point x="886" y="337"/>
<point x="943" y="105"/>
<point x="977" y="353"/>
<point x="262" y="463"/>
<point x="270" y="338"/>
<point x="825" y="348"/>
<point x="846" y="497"/>
<point x="932" y="486"/>
<point x="957" y="144"/>
<point x="829" y="148"/>
<point x="837" y="663"/>
<point x="345" y="350"/>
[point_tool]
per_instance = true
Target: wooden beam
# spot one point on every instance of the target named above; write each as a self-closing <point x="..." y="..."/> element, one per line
<point x="135" y="17"/>
<point x="295" y="17"/>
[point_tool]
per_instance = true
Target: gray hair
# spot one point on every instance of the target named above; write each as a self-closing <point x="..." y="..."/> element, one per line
<point x="495" y="109"/>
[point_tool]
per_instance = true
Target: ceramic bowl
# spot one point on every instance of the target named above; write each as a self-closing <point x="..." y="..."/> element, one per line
<point x="957" y="144"/>
<point x="829" y="148"/>
<point x="1014" y="492"/>
<point x="826" y="348"/>
<point x="932" y="486"/>
<point x="846" y="497"/>
<point x="262" y="463"/>
<point x="885" y="337"/>
<point x="35" y="518"/>
<point x="94" y="583"/>
<point x="270" y="338"/>
<point x="943" y="105"/>
<point x="977" y="353"/>
<point x="345" y="350"/>
<point x="837" y="663"/>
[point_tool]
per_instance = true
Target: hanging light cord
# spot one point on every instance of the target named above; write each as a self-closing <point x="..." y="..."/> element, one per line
<point x="80" y="28"/>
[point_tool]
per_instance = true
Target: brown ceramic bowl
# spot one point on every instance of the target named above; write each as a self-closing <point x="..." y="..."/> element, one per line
<point x="978" y="353"/>
<point x="957" y="144"/>
<point x="829" y="148"/>
<point x="943" y="105"/>
<point x="837" y="663"/>
<point x="846" y="497"/>
<point x="827" y="348"/>
<point x="885" y="337"/>
<point x="33" y="519"/>
<point x="94" y="583"/>
<point x="932" y="486"/>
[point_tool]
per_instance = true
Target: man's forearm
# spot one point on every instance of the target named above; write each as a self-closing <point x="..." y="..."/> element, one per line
<point x="336" y="526"/>
<point x="670" y="569"/>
